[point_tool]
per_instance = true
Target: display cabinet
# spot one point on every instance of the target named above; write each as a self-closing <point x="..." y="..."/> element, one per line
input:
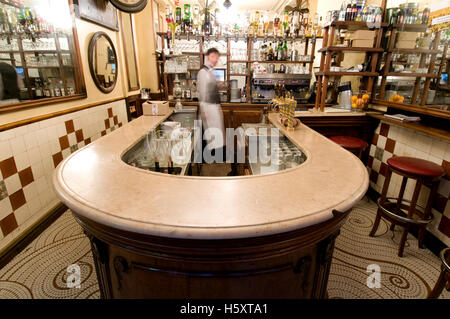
<point x="238" y="53"/>
<point x="38" y="51"/>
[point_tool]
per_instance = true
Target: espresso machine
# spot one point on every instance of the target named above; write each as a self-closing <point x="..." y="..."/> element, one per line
<point x="263" y="86"/>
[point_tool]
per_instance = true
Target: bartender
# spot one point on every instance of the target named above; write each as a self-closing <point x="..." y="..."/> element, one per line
<point x="210" y="109"/>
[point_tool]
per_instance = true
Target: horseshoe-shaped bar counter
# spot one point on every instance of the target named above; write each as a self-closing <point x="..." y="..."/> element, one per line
<point x="155" y="235"/>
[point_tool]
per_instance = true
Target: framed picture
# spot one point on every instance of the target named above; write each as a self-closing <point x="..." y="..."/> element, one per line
<point x="101" y="12"/>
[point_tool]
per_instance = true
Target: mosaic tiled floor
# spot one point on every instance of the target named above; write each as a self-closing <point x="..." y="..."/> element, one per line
<point x="40" y="270"/>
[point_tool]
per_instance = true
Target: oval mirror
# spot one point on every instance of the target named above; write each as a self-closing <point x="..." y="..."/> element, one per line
<point x="103" y="62"/>
<point x="130" y="6"/>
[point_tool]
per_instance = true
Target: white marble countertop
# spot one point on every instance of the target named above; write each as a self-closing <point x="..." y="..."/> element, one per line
<point x="95" y="183"/>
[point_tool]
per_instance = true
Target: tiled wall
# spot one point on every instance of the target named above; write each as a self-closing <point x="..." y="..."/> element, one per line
<point x="389" y="140"/>
<point x="29" y="155"/>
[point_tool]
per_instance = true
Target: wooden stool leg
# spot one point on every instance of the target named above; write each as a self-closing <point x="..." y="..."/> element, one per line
<point x="421" y="237"/>
<point x="401" y="248"/>
<point x="439" y="287"/>
<point x="392" y="227"/>
<point x="376" y="223"/>
<point x="412" y="209"/>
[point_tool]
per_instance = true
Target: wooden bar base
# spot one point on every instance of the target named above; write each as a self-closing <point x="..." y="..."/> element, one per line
<point x="295" y="264"/>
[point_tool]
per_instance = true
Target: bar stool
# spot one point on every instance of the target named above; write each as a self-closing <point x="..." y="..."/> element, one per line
<point x="394" y="209"/>
<point x="444" y="278"/>
<point x="352" y="144"/>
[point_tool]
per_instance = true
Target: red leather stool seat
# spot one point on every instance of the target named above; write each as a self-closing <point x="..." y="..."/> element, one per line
<point x="350" y="143"/>
<point x="415" y="166"/>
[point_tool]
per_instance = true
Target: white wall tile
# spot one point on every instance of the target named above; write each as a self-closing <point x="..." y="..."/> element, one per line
<point x="38" y="170"/>
<point x="45" y="150"/>
<point x="444" y="188"/>
<point x="41" y="184"/>
<point x="438" y="147"/>
<point x="42" y="136"/>
<point x="13" y="184"/>
<point x="34" y="205"/>
<point x="381" y="142"/>
<point x="22" y="214"/>
<point x="5" y="150"/>
<point x="5" y="208"/>
<point x="7" y="135"/>
<point x="18" y="145"/>
<point x="34" y="155"/>
<point x="30" y="140"/>
<point x="22" y="161"/>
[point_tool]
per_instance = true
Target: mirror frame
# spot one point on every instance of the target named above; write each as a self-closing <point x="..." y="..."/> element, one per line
<point x="125" y="45"/>
<point x="129" y="8"/>
<point x="92" y="43"/>
<point x="78" y="73"/>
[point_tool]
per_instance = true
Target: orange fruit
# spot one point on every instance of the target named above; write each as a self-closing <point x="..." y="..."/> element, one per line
<point x="366" y="97"/>
<point x="359" y="102"/>
<point x="354" y="98"/>
<point x="401" y="99"/>
<point x="354" y="106"/>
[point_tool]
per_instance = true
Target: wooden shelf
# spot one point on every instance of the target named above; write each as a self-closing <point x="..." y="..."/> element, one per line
<point x="414" y="75"/>
<point x="356" y="49"/>
<point x="355" y="25"/>
<point x="414" y="51"/>
<point x="409" y="27"/>
<point x="425" y="110"/>
<point x="347" y="73"/>
<point x="440" y="133"/>
<point x="285" y="62"/>
<point x="239" y="61"/>
<point x="239" y="74"/>
<point x="192" y="53"/>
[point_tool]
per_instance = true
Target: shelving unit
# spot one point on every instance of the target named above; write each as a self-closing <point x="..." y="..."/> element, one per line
<point x="394" y="29"/>
<point x="310" y="44"/>
<point x="328" y="50"/>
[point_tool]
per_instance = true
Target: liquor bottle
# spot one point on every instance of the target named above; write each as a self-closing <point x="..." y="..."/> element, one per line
<point x="276" y="24"/>
<point x="280" y="51"/>
<point x="178" y="15"/>
<point x="56" y="89"/>
<point x="47" y="90"/>
<point x="320" y="27"/>
<point x="207" y="23"/>
<point x="354" y="10"/>
<point x="270" y="55"/>
<point x="425" y="15"/>
<point x="342" y="13"/>
<point x="285" y="51"/>
<point x="316" y="24"/>
<point x="70" y="88"/>
<point x="39" y="90"/>
<point x="61" y="88"/>
<point x="286" y="23"/>
<point x="187" y="17"/>
<point x="348" y="12"/>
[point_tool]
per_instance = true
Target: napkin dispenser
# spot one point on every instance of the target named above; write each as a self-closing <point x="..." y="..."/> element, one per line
<point x="155" y="108"/>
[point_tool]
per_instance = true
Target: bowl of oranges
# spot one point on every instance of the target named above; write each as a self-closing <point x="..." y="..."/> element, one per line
<point x="397" y="98"/>
<point x="360" y="101"/>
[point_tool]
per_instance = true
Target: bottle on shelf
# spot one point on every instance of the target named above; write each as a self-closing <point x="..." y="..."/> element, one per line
<point x="56" y="89"/>
<point x="270" y="55"/>
<point x="285" y="51"/>
<point x="39" y="89"/>
<point x="61" y="88"/>
<point x="70" y="88"/>
<point x="47" y="89"/>
<point x="354" y="10"/>
<point x="348" y="12"/>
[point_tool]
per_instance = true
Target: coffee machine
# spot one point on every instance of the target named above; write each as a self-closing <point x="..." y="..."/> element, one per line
<point x="263" y="86"/>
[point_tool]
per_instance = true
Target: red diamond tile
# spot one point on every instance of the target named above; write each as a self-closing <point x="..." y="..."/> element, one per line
<point x="8" y="167"/>
<point x="69" y="127"/>
<point x="8" y="224"/>
<point x="57" y="158"/>
<point x="64" y="142"/>
<point x="26" y="177"/>
<point x="384" y="129"/>
<point x="79" y="136"/>
<point x="17" y="199"/>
